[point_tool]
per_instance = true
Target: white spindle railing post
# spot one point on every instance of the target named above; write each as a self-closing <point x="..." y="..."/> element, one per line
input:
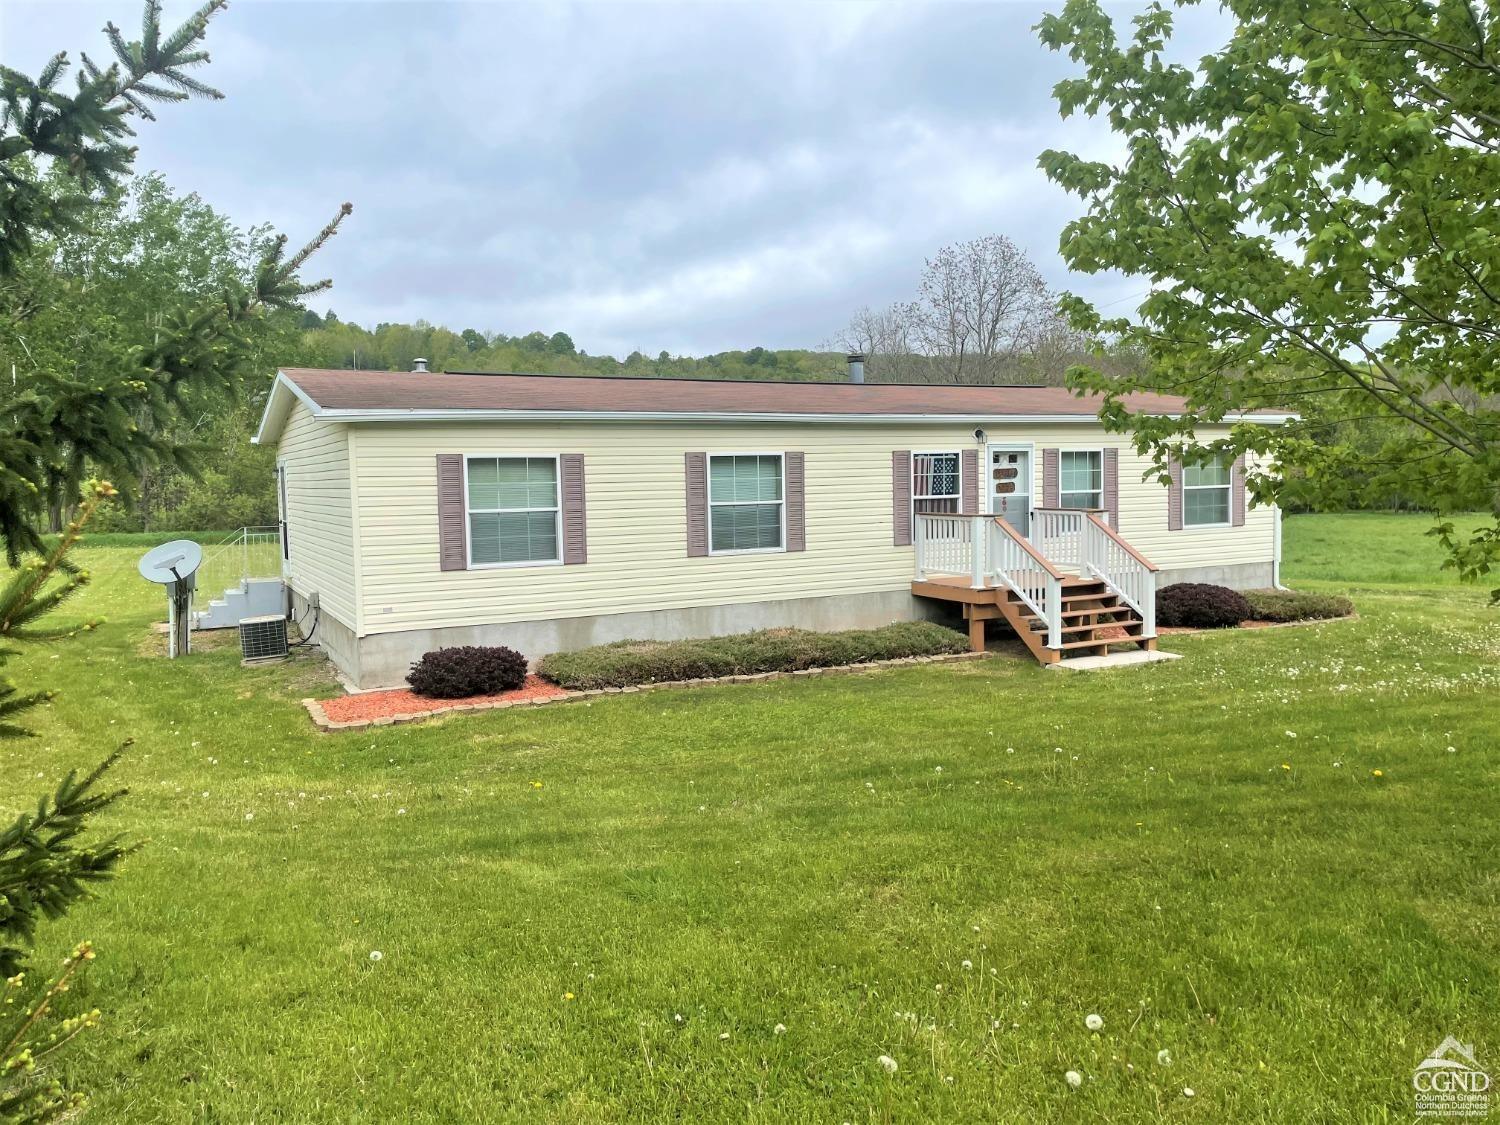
<point x="919" y="541"/>
<point x="1053" y="607"/>
<point x="976" y="551"/>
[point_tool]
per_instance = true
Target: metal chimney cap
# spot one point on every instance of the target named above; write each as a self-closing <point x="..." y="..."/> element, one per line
<point x="856" y="357"/>
<point x="419" y="364"/>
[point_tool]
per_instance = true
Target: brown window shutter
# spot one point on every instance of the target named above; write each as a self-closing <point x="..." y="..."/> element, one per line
<point x="453" y="530"/>
<point x="1237" y="492"/>
<point x="1174" y="495"/>
<point x="574" y="514"/>
<point x="696" y="475"/>
<point x="796" y="502"/>
<point x="969" y="471"/>
<point x="901" y="497"/>
<point x="1051" y="459"/>
<point x="1112" y="486"/>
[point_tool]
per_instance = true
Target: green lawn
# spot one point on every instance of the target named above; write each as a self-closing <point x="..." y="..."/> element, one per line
<point x="600" y="912"/>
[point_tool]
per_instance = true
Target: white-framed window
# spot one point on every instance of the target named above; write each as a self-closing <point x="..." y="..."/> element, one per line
<point x="512" y="509"/>
<point x="1205" y="494"/>
<point x="936" y="482"/>
<point x="1080" y="478"/>
<point x="746" y="502"/>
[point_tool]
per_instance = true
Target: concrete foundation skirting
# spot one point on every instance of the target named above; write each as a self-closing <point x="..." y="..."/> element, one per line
<point x="1238" y="576"/>
<point x="330" y="634"/>
<point x="383" y="659"/>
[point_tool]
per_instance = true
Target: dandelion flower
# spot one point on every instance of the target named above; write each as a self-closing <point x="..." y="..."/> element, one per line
<point x="968" y="965"/>
<point x="1073" y="1079"/>
<point x="567" y="996"/>
<point x="376" y="955"/>
<point x="1164" y="1057"/>
<point x="1291" y="734"/>
<point x="1093" y="1021"/>
<point x="779" y="1029"/>
<point x="251" y="815"/>
<point x="887" y="1064"/>
<point x="1377" y="773"/>
<point x="676" y="1017"/>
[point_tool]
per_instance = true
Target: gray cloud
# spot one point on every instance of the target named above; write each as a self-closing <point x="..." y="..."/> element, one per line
<point x="688" y="177"/>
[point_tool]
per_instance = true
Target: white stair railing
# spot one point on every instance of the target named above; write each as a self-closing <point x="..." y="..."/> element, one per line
<point x="1019" y="566"/>
<point x="250" y="552"/>
<point x="1108" y="557"/>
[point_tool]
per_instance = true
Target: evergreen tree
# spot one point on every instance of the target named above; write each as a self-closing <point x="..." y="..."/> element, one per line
<point x="57" y="151"/>
<point x="47" y="866"/>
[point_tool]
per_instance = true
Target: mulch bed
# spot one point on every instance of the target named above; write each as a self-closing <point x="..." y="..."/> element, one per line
<point x="383" y="708"/>
<point x="373" y="705"/>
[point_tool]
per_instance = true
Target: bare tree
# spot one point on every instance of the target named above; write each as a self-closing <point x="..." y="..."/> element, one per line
<point x="890" y="340"/>
<point x="981" y="315"/>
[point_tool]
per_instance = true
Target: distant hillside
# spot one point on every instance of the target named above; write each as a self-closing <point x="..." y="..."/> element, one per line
<point x="330" y="342"/>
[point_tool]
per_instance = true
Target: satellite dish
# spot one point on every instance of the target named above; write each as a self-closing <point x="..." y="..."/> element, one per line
<point x="171" y="562"/>
<point x="172" y="565"/>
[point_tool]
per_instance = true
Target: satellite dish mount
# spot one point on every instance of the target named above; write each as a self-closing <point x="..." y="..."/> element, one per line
<point x="175" y="566"/>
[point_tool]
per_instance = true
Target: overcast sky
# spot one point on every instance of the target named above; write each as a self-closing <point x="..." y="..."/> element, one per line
<point x="655" y="176"/>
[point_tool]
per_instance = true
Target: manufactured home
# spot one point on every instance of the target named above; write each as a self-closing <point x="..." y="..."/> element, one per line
<point x="422" y="510"/>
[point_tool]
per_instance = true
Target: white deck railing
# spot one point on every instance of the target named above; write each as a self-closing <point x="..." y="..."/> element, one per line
<point x="990" y="552"/>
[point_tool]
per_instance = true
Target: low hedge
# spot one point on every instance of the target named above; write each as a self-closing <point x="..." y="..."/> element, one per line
<point x="1292" y="605"/>
<point x="625" y="663"/>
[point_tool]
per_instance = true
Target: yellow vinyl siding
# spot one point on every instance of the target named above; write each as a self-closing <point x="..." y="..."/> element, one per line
<point x="320" y="507"/>
<point x="637" y="535"/>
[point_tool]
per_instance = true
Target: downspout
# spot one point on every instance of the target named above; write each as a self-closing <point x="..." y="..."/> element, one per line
<point x="1276" y="551"/>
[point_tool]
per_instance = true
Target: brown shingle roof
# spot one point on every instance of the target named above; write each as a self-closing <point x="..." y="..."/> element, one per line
<point x="421" y="391"/>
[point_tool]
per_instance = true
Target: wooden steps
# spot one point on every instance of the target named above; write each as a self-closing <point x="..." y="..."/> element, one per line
<point x="1093" y="617"/>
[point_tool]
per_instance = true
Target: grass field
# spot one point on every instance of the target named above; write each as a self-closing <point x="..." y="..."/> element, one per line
<point x="603" y="911"/>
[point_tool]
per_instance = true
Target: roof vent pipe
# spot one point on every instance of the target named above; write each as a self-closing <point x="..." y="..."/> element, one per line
<point x="856" y="367"/>
<point x="419" y="364"/>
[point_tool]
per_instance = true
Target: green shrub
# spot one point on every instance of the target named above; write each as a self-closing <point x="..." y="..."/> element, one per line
<point x="771" y="650"/>
<point x="456" y="673"/>
<point x="1293" y="605"/>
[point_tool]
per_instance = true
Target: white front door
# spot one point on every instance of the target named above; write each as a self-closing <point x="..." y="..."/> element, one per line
<point x="1009" y="474"/>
